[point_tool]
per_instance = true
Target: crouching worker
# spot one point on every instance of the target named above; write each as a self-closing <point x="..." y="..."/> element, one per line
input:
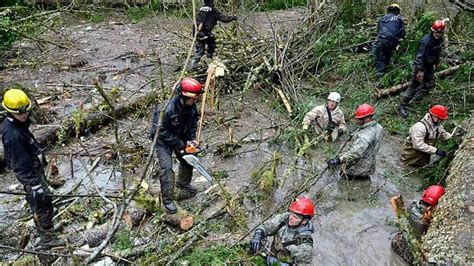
<point x="177" y="133"/>
<point x="419" y="217"/>
<point x="24" y="156"/>
<point x="423" y="136"/>
<point x="327" y="118"/>
<point x="292" y="242"/>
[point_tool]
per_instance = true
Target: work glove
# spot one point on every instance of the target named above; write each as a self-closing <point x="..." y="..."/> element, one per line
<point x="420" y="76"/>
<point x="234" y="18"/>
<point x="38" y="193"/>
<point x="256" y="240"/>
<point x="334" y="162"/>
<point x="440" y="153"/>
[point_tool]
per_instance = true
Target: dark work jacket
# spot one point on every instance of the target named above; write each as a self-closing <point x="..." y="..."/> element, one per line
<point x="429" y="52"/>
<point x="22" y="152"/>
<point x="179" y="124"/>
<point x="391" y="27"/>
<point x="208" y="16"/>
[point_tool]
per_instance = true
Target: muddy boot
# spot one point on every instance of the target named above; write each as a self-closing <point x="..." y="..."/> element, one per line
<point x="48" y="240"/>
<point x="402" y="111"/>
<point x="186" y="192"/>
<point x="170" y="206"/>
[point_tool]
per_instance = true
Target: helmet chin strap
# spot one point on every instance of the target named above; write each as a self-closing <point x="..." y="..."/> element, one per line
<point x="432" y="119"/>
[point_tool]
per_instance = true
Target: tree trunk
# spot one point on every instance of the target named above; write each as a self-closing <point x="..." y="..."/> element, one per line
<point x="449" y="237"/>
<point x="182" y="219"/>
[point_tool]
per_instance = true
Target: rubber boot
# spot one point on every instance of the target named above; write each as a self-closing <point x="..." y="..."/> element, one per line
<point x="170" y="206"/>
<point x="48" y="239"/>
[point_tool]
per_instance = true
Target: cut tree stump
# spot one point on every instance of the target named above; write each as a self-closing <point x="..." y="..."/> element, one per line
<point x="401" y="87"/>
<point x="134" y="215"/>
<point x="182" y="219"/>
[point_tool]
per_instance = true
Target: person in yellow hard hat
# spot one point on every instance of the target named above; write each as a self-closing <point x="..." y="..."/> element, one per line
<point x="25" y="157"/>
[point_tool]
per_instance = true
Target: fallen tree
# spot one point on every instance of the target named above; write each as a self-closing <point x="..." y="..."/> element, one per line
<point x="449" y="238"/>
<point x="401" y="87"/>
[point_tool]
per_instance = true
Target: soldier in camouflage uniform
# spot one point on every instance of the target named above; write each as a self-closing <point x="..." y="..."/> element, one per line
<point x="359" y="157"/>
<point x="423" y="136"/>
<point x="292" y="242"/>
<point x="420" y="215"/>
<point x="327" y="118"/>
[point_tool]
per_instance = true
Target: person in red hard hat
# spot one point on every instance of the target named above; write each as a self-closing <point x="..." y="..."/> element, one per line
<point x="420" y="215"/>
<point x="359" y="156"/>
<point x="177" y="133"/>
<point x="426" y="60"/>
<point x="423" y="135"/>
<point x="292" y="241"/>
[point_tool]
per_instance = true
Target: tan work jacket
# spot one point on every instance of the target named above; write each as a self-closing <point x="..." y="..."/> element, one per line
<point x="318" y="119"/>
<point x="359" y="155"/>
<point x="426" y="129"/>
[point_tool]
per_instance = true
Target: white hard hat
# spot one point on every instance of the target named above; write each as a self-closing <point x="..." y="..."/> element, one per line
<point x="334" y="96"/>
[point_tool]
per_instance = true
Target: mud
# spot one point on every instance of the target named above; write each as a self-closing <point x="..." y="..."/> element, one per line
<point x="352" y="218"/>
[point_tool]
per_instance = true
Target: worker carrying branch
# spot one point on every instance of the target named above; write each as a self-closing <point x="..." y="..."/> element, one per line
<point x="391" y="31"/>
<point x="420" y="145"/>
<point x="327" y="118"/>
<point x="24" y="156"/>
<point x="420" y="214"/>
<point x="291" y="231"/>
<point x="206" y="20"/>
<point x="177" y="133"/>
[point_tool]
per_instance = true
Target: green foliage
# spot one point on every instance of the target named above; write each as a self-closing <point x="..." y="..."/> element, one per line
<point x="280" y="4"/>
<point x="438" y="171"/>
<point x="123" y="241"/>
<point x="96" y="17"/>
<point x="137" y="14"/>
<point x="7" y="37"/>
<point x="220" y="255"/>
<point x="351" y="11"/>
<point x="265" y="177"/>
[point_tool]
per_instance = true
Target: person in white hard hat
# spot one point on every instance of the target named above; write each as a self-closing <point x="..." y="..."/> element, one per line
<point x="328" y="119"/>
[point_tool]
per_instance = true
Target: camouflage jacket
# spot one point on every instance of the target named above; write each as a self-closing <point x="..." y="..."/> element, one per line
<point x="359" y="156"/>
<point x="318" y="118"/>
<point x="425" y="130"/>
<point x="292" y="245"/>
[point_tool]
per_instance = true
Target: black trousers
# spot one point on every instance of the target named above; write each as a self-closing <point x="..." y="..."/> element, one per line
<point x="41" y="207"/>
<point x="418" y="90"/>
<point x="166" y="173"/>
<point x="383" y="52"/>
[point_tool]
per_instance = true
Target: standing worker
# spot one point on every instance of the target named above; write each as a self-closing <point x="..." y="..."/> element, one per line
<point x="426" y="61"/>
<point x="206" y="20"/>
<point x="292" y="241"/>
<point x="420" y="214"/>
<point x="391" y="31"/>
<point x="24" y="156"/>
<point x="359" y="157"/>
<point x="177" y="133"/>
<point x="423" y="136"/>
<point x="327" y="118"/>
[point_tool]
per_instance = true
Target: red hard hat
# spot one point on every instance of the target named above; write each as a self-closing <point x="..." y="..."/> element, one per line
<point x="364" y="110"/>
<point x="438" y="26"/>
<point x="439" y="111"/>
<point x="303" y="206"/>
<point x="432" y="194"/>
<point x="190" y="87"/>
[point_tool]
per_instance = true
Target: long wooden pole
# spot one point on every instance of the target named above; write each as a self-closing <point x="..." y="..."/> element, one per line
<point x="210" y="75"/>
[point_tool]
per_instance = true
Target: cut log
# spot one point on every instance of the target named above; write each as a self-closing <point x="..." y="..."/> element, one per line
<point x="182" y="219"/>
<point x="401" y="87"/>
<point x="449" y="237"/>
<point x="134" y="216"/>
<point x="95" y="121"/>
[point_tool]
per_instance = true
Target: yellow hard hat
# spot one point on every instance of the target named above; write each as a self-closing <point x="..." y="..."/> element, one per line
<point x="16" y="101"/>
<point x="395" y="5"/>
